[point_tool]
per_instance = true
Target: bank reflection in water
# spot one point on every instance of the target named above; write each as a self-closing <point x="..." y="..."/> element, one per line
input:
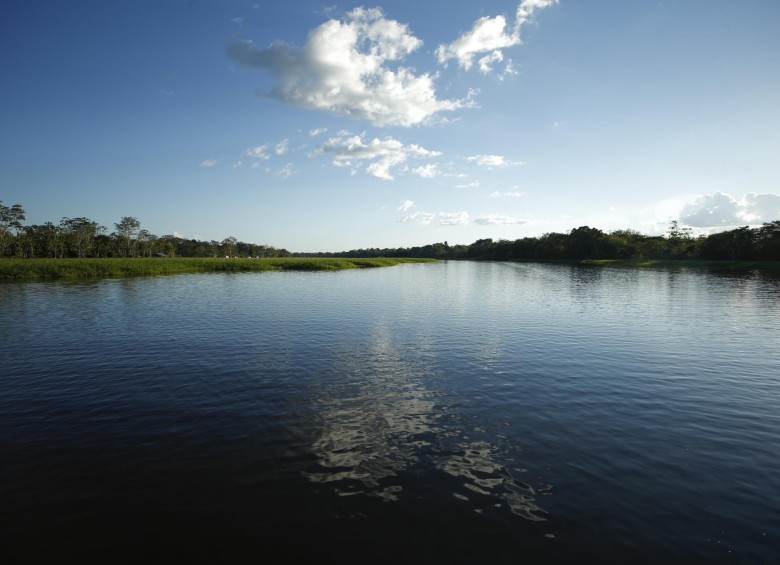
<point x="380" y="429"/>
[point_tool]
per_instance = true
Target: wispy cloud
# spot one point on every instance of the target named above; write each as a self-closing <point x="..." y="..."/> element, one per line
<point x="405" y="206"/>
<point x="492" y="161"/>
<point x="490" y="35"/>
<point x="453" y="218"/>
<point x="384" y="154"/>
<point x="259" y="152"/>
<point x="423" y="218"/>
<point x="287" y="171"/>
<point x="496" y="220"/>
<point x="281" y="147"/>
<point x="317" y="131"/>
<point x="344" y="68"/>
<point x="473" y="184"/>
<point x="208" y="163"/>
<point x="514" y="193"/>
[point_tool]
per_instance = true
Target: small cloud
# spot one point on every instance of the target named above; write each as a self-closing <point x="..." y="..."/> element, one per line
<point x="559" y="124"/>
<point x="259" y="152"/>
<point x="317" y="131"/>
<point x="208" y="163"/>
<point x="281" y="147"/>
<point x="515" y="193"/>
<point x="287" y="171"/>
<point x="474" y="184"/>
<point x="238" y="164"/>
<point x="453" y="218"/>
<point x="423" y="218"/>
<point x="405" y="206"/>
<point x="238" y="21"/>
<point x="384" y="155"/>
<point x="493" y="161"/>
<point x="490" y="35"/>
<point x="428" y="171"/>
<point x="497" y="220"/>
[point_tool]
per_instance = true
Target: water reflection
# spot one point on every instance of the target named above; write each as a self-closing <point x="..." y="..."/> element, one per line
<point x="381" y="428"/>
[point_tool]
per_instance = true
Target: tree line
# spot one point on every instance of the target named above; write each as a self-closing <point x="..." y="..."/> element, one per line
<point x="82" y="237"/>
<point x="740" y="244"/>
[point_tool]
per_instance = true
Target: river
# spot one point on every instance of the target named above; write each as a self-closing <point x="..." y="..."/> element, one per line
<point x="457" y="412"/>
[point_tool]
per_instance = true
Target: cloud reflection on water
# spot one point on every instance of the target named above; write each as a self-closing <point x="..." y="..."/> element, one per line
<point x="379" y="427"/>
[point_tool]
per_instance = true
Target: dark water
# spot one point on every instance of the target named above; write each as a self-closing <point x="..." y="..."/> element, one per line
<point x="448" y="413"/>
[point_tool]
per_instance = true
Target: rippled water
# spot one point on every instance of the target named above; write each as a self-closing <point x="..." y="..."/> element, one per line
<point x="455" y="412"/>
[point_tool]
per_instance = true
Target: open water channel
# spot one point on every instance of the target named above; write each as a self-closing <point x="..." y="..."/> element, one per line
<point x="456" y="412"/>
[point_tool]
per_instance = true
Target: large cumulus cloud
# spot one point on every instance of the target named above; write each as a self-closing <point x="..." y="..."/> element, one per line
<point x="344" y="68"/>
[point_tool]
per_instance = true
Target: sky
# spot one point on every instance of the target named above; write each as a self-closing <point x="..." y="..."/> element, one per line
<point x="329" y="127"/>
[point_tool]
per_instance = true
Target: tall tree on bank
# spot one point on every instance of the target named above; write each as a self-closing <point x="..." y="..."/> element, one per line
<point x="10" y="221"/>
<point x="126" y="230"/>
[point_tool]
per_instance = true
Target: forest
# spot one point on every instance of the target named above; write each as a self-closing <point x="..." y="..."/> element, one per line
<point x="740" y="244"/>
<point x="82" y="238"/>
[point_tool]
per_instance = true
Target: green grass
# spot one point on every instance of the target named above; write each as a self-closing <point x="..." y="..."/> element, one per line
<point x="768" y="266"/>
<point x="50" y="269"/>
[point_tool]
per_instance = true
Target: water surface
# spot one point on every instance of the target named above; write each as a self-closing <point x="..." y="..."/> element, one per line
<point x="454" y="412"/>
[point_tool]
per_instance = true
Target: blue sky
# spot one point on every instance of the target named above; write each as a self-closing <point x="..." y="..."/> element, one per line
<point x="320" y="127"/>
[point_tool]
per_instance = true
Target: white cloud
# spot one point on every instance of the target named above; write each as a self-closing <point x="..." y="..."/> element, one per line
<point x="424" y="218"/>
<point x="490" y="35"/>
<point x="453" y="218"/>
<point x="487" y="34"/>
<point x="428" y="171"/>
<point x="474" y="184"/>
<point x="384" y="154"/>
<point x="281" y="147"/>
<point x="515" y="193"/>
<point x="492" y="161"/>
<point x="208" y="163"/>
<point x="317" y="131"/>
<point x="486" y="63"/>
<point x="723" y="210"/>
<point x="287" y="171"/>
<point x="497" y="219"/>
<point x="259" y="152"/>
<point x="405" y="206"/>
<point x="343" y="69"/>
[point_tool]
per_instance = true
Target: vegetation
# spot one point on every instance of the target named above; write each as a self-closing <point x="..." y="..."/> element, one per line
<point x="586" y="243"/>
<point x="45" y="269"/>
<point x="82" y="237"/>
<point x="72" y="248"/>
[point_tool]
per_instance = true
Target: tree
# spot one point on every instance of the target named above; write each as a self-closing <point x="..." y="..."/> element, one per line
<point x="679" y="240"/>
<point x="80" y="234"/>
<point x="126" y="230"/>
<point x="228" y="246"/>
<point x="10" y="220"/>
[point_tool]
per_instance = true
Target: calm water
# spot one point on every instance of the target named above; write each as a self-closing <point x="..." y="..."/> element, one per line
<point x="456" y="413"/>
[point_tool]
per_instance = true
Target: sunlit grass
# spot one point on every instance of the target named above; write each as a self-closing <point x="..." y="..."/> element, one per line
<point x="48" y="269"/>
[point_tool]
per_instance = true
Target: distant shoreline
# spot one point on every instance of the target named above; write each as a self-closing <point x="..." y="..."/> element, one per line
<point x="96" y="268"/>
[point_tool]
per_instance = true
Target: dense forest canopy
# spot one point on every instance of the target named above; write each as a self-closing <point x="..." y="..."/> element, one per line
<point x="82" y="237"/>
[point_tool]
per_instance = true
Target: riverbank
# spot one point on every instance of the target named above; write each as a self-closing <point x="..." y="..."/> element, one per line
<point x="742" y="266"/>
<point x="51" y="269"/>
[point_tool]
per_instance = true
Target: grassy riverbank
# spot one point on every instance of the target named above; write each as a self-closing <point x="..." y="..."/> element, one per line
<point x="743" y="266"/>
<point x="49" y="269"/>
